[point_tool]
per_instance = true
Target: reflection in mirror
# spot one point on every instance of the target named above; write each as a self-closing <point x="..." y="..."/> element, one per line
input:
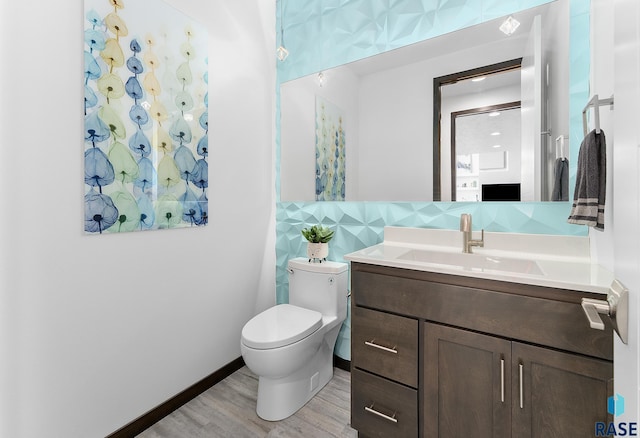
<point x="544" y="111"/>
<point x="386" y="110"/>
<point x="486" y="145"/>
<point x="476" y="97"/>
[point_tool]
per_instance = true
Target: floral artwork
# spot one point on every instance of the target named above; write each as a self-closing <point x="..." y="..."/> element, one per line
<point x="145" y="117"/>
<point x="464" y="164"/>
<point x="330" y="152"/>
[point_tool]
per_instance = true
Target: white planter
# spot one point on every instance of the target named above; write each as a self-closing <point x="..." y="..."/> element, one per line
<point x="317" y="250"/>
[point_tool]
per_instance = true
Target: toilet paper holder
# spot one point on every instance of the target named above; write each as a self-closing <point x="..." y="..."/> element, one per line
<point x="616" y="307"/>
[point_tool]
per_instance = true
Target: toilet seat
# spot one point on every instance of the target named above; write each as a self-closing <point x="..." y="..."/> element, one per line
<point x="280" y="325"/>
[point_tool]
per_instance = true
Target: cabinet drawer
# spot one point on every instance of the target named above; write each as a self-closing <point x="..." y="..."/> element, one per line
<point x="385" y="344"/>
<point x="381" y="408"/>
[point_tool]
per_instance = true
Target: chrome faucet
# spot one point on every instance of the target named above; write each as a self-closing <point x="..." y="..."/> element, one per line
<point x="467" y="234"/>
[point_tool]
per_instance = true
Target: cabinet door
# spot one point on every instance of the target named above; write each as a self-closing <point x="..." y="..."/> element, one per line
<point x="558" y="394"/>
<point x="467" y="384"/>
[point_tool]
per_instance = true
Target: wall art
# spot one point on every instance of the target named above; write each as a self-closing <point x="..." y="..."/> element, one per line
<point x="330" y="152"/>
<point x="145" y="117"/>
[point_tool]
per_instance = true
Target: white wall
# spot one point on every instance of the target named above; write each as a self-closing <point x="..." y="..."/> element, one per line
<point x="626" y="194"/>
<point x="615" y="68"/>
<point x="602" y="83"/>
<point x="556" y="47"/>
<point x="83" y="354"/>
<point x="395" y="158"/>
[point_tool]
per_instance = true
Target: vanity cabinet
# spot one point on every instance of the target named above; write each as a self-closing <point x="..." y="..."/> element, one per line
<point x="439" y="355"/>
<point x="500" y="388"/>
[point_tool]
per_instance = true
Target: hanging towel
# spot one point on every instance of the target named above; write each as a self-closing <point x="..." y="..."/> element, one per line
<point x="589" y="194"/>
<point x="561" y="180"/>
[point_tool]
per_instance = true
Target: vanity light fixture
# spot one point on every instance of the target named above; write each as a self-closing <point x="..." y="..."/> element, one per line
<point x="509" y="25"/>
<point x="478" y="79"/>
<point x="282" y="51"/>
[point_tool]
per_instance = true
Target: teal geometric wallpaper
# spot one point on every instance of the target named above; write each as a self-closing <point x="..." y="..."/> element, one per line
<point x="321" y="34"/>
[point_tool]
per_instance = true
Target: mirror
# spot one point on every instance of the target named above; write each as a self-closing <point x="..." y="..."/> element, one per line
<point x="376" y="139"/>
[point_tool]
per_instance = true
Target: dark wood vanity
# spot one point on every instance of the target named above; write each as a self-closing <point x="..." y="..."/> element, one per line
<point x="439" y="355"/>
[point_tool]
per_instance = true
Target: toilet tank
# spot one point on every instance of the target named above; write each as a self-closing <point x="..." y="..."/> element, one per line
<point x="319" y="286"/>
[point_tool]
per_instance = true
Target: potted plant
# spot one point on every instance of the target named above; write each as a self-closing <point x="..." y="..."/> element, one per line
<point x="317" y="237"/>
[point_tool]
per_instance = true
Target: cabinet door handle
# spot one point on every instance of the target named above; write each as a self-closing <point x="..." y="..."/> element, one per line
<point x="502" y="380"/>
<point x="521" y="370"/>
<point x="380" y="414"/>
<point x="372" y="343"/>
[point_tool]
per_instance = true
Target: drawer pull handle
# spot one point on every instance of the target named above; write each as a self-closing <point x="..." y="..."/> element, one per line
<point x="521" y="372"/>
<point x="380" y="414"/>
<point x="372" y="343"/>
<point x="502" y="380"/>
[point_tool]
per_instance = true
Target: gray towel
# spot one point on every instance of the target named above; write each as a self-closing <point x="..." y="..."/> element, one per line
<point x="561" y="180"/>
<point x="589" y="194"/>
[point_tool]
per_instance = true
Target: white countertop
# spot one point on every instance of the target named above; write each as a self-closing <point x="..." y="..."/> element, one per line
<point x="553" y="261"/>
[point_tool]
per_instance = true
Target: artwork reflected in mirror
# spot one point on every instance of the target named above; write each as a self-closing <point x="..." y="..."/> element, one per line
<point x="389" y="111"/>
<point x="330" y="152"/>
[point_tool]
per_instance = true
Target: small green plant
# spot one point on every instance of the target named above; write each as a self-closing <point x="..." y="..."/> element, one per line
<point x="317" y="234"/>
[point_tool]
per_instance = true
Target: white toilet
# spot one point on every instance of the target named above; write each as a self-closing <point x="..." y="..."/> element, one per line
<point x="290" y="346"/>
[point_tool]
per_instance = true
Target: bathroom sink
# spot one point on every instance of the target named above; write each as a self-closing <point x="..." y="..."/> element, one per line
<point x="473" y="262"/>
<point x="562" y="262"/>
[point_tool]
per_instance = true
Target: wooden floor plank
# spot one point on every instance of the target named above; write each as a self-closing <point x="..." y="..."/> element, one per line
<point x="228" y="409"/>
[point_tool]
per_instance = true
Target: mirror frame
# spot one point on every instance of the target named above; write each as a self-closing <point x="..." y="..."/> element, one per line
<point x="437" y="116"/>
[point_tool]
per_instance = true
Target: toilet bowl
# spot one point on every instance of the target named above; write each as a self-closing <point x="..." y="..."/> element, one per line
<point x="290" y="346"/>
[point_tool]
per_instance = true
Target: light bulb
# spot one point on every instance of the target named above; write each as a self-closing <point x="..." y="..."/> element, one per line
<point x="282" y="53"/>
<point x="509" y="25"/>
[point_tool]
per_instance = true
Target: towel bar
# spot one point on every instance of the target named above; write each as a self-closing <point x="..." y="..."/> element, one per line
<point x="594" y="103"/>
<point x="560" y="147"/>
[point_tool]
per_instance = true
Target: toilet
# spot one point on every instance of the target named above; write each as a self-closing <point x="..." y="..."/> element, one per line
<point x="290" y="346"/>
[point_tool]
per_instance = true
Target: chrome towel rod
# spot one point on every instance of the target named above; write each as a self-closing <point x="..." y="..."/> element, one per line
<point x="560" y="146"/>
<point x="594" y="103"/>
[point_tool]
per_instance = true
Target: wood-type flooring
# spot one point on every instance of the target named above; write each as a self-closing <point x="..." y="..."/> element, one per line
<point x="227" y="410"/>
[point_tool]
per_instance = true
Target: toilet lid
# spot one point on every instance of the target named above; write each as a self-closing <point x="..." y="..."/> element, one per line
<point x="280" y="325"/>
